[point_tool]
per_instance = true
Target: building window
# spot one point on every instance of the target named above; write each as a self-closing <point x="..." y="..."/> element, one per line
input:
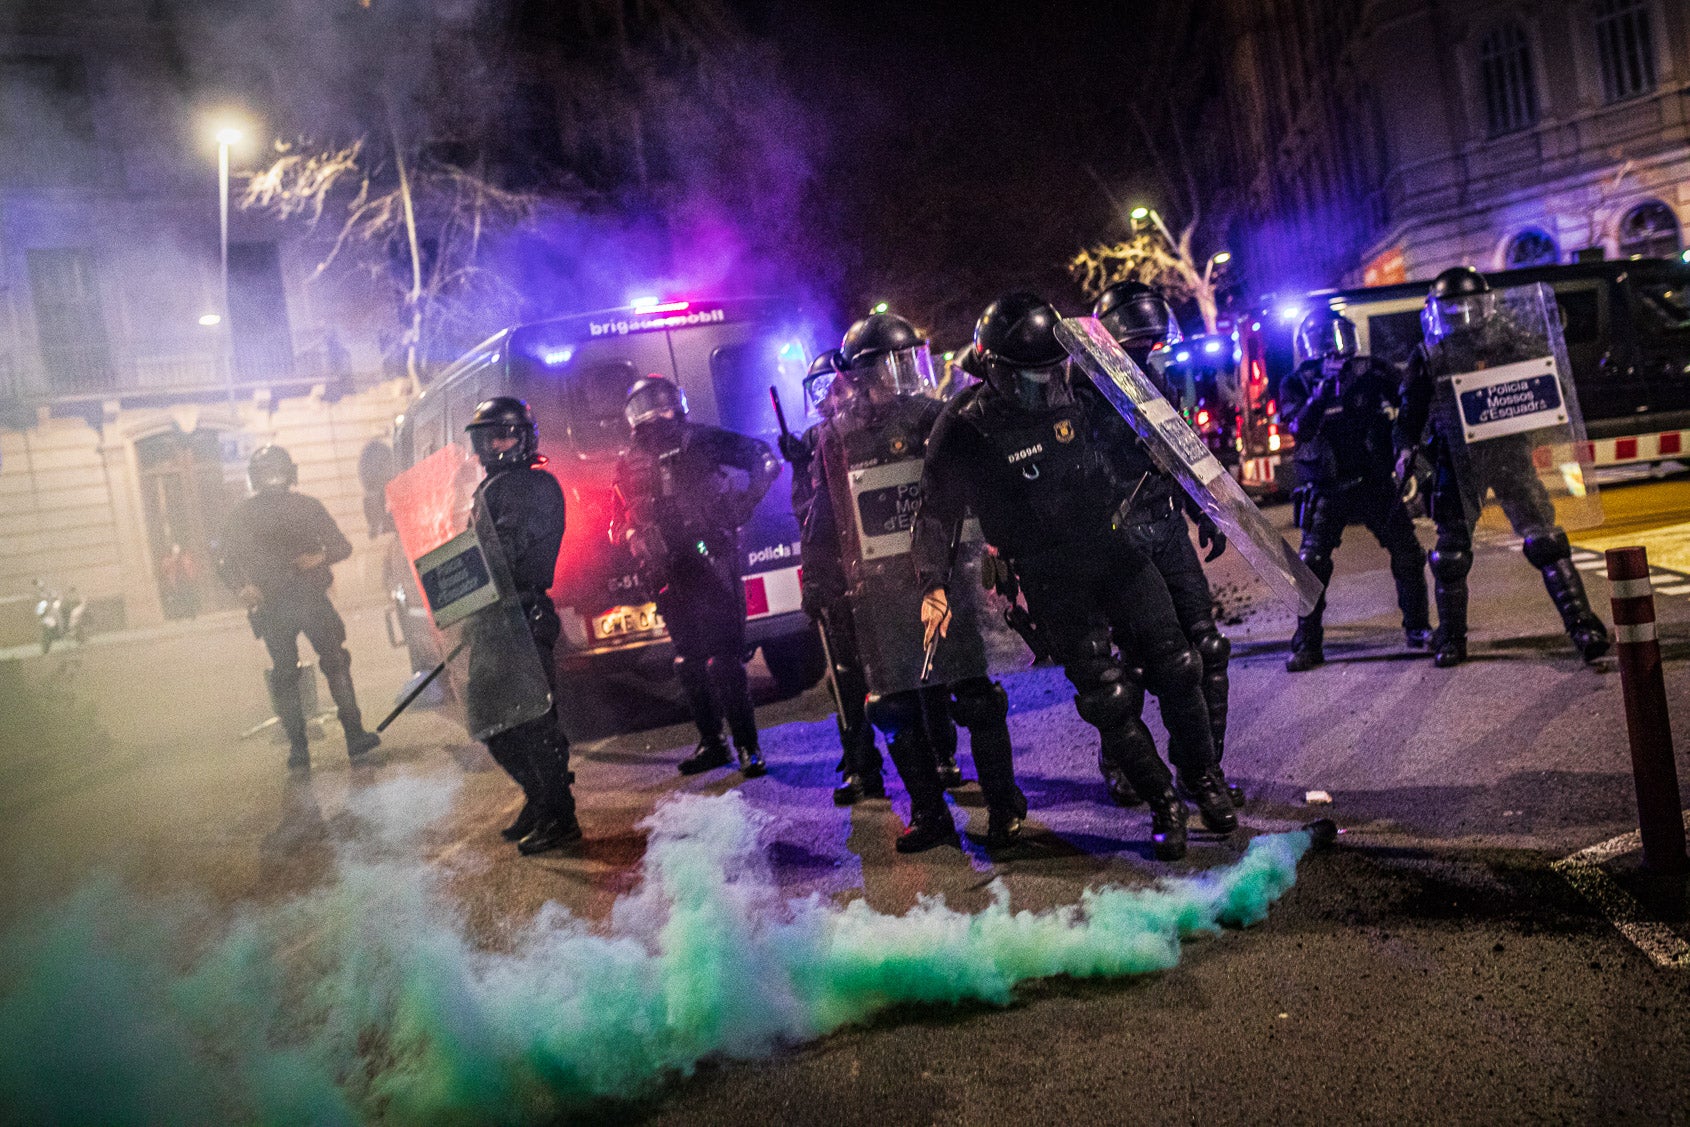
<point x="1626" y="48"/>
<point x="1505" y="72"/>
<point x="1650" y="230"/>
<point x="1532" y="247"/>
<point x="69" y="320"/>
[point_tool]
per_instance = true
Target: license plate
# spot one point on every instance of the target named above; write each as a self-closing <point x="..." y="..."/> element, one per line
<point x="622" y="622"/>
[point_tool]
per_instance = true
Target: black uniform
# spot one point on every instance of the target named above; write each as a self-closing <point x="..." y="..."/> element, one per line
<point x="1503" y="465"/>
<point x="1340" y="411"/>
<point x="682" y="517"/>
<point x="919" y="723"/>
<point x="1046" y="501"/>
<point x="525" y="506"/>
<point x="859" y="761"/>
<point x="265" y="535"/>
<point x="1152" y="520"/>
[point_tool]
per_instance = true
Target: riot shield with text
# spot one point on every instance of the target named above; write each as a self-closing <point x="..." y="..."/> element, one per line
<point x="1506" y="408"/>
<point x="492" y="664"/>
<point x="873" y="470"/>
<point x="1181" y="452"/>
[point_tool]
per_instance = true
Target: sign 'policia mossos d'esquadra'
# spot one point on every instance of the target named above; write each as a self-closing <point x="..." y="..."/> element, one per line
<point x="1509" y="399"/>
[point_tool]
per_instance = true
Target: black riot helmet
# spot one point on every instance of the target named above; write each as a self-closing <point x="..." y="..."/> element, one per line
<point x="883" y="355"/>
<point x="497" y="420"/>
<point x="1016" y="340"/>
<point x="818" y="383"/>
<point x="1138" y="317"/>
<point x="1327" y="333"/>
<point x="1460" y="299"/>
<point x="654" y="399"/>
<point x="966" y="370"/>
<point x="271" y="470"/>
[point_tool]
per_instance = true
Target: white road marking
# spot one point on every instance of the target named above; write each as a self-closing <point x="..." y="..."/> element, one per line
<point x="1583" y="870"/>
<point x="1589" y="565"/>
<point x="1586" y="556"/>
<point x="1675" y="589"/>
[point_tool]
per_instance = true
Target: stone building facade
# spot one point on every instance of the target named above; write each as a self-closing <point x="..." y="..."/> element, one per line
<point x="1380" y="140"/>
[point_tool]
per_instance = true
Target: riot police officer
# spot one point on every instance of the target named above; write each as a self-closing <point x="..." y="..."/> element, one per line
<point x="860" y="765"/>
<point x="1017" y="450"/>
<point x="524" y="505"/>
<point x="680" y="514"/>
<point x="856" y="551"/>
<point x="1464" y="332"/>
<point x="278" y="548"/>
<point x="1340" y="407"/>
<point x="1153" y="516"/>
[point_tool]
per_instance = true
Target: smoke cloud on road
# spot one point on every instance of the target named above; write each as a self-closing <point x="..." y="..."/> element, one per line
<point x="368" y="1001"/>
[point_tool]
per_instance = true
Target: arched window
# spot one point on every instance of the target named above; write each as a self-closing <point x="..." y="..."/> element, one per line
<point x="1505" y="75"/>
<point x="1532" y="247"/>
<point x="1625" y="46"/>
<point x="1650" y="230"/>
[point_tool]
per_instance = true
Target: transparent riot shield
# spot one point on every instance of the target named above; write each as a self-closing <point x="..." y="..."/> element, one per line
<point x="1179" y="451"/>
<point x="492" y="665"/>
<point x="873" y="470"/>
<point x="1506" y="409"/>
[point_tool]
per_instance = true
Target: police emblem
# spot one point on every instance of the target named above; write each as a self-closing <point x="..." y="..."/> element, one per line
<point x="899" y="445"/>
<point x="1064" y="430"/>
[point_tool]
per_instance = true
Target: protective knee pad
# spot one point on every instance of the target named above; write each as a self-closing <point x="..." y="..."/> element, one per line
<point x="1179" y="670"/>
<point x="1108" y="705"/>
<point x="1213" y="649"/>
<point x="1546" y="548"/>
<point x="895" y="714"/>
<point x="1451" y="564"/>
<point x="1318" y="560"/>
<point x="1093" y="662"/>
<point x="335" y="662"/>
<point x="979" y="702"/>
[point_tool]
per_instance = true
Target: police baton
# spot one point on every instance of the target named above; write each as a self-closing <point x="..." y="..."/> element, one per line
<point x="780" y="412"/>
<point x="421" y="685"/>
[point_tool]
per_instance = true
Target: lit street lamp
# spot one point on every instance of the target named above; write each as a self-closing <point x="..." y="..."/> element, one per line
<point x="226" y="135"/>
<point x="1219" y="258"/>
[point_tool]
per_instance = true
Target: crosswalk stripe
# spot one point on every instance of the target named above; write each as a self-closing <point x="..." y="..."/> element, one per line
<point x="1675" y="589"/>
<point x="1586" y="556"/>
<point x="1588" y="565"/>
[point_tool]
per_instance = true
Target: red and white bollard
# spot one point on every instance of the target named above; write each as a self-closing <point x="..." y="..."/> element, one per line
<point x="1646" y="720"/>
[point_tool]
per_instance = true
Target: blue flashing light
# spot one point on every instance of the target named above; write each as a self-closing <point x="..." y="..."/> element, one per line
<point x="1256" y="327"/>
<point x="637" y="302"/>
<point x="792" y="348"/>
<point x="1685" y="257"/>
<point x="553" y="357"/>
<point x="1211" y="346"/>
<point x="1290" y="312"/>
<point x="1182" y="356"/>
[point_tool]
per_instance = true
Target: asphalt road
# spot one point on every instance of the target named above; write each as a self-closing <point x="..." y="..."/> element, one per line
<point x="1431" y="968"/>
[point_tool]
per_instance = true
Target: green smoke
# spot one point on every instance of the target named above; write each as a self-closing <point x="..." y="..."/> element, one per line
<point x="366" y="1001"/>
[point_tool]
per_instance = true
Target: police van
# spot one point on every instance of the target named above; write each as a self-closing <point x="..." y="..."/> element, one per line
<point x="1627" y="327"/>
<point x="575" y="372"/>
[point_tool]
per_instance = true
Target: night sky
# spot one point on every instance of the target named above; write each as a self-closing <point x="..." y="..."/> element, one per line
<point x="955" y="165"/>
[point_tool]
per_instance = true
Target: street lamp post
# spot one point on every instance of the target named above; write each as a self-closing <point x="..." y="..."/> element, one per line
<point x="226" y="136"/>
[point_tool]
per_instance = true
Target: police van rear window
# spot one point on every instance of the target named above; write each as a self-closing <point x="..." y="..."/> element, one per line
<point x="740" y="374"/>
<point x="595" y="400"/>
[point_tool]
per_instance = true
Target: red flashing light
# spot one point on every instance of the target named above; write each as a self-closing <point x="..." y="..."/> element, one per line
<point x="1273" y="407"/>
<point x="1203" y="418"/>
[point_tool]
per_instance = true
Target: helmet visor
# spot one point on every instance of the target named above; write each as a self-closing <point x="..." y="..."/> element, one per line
<point x="1333" y="337"/>
<point x="497" y="442"/>
<point x="901" y="372"/>
<point x="1447" y="315"/>
<point x="655" y="401"/>
<point x="817" y="391"/>
<point x="1036" y="389"/>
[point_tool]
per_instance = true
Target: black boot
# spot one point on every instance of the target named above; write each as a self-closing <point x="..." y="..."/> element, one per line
<point x="1167" y="825"/>
<point x="751" y="762"/>
<point x="930" y="819"/>
<point x="1120" y="788"/>
<point x="1214" y="801"/>
<point x="1417" y="638"/>
<point x="849" y="792"/>
<point x="337" y="674"/>
<point x="554" y="823"/>
<point x="284" y="698"/>
<point x="709" y="755"/>
<point x="1566" y="590"/>
<point x="526" y="819"/>
<point x="1449" y="570"/>
<point x="1308" y="647"/>
<point x="950" y="775"/>
<point x="1004" y="821"/>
